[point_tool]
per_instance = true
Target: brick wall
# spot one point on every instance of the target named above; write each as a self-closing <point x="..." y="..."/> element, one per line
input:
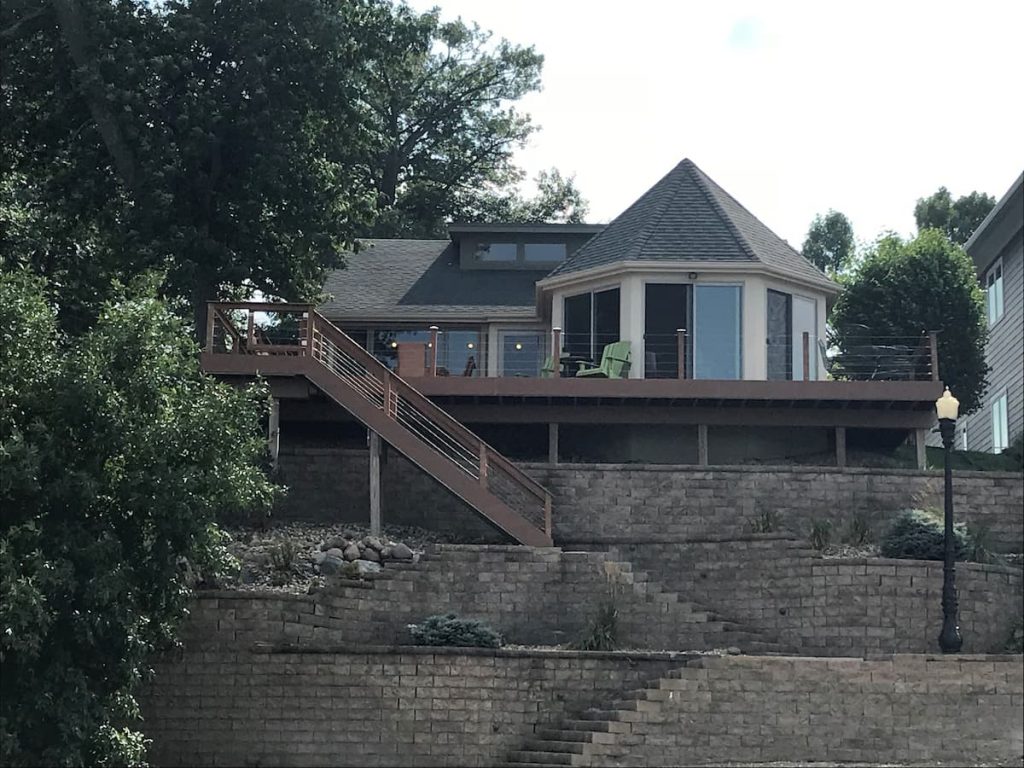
<point x="622" y="503"/>
<point x="835" y="607"/>
<point x="427" y="707"/>
<point x="372" y="707"/>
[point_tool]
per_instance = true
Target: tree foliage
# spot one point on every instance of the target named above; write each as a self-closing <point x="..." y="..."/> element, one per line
<point x="116" y="454"/>
<point x="958" y="219"/>
<point x="903" y="289"/>
<point x="829" y="243"/>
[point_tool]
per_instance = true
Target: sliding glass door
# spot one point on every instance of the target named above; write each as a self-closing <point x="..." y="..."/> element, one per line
<point x="717" y="331"/>
<point x="590" y="322"/>
<point x="780" y="336"/>
<point x="666" y="310"/>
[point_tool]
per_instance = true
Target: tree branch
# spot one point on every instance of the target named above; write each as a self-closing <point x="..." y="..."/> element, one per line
<point x="24" y="25"/>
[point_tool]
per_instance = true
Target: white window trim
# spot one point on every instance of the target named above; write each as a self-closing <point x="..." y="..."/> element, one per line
<point x="1000" y="424"/>
<point x="999" y="285"/>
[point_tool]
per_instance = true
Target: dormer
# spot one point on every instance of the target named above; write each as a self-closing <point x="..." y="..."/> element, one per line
<point x="534" y="247"/>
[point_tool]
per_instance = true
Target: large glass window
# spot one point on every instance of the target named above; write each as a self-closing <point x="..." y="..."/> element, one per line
<point x="717" y="318"/>
<point x="496" y="251"/>
<point x="780" y="334"/>
<point x="994" y="291"/>
<point x="458" y="350"/>
<point x="522" y="352"/>
<point x="666" y="310"/>
<point x="591" y="321"/>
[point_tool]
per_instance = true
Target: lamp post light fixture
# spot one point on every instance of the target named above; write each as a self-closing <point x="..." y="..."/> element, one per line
<point x="950" y="641"/>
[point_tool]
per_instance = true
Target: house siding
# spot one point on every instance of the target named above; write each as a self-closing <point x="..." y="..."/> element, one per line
<point x="1005" y="355"/>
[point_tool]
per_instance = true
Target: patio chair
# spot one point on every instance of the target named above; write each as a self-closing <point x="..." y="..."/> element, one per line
<point x="614" y="363"/>
<point x="547" y="371"/>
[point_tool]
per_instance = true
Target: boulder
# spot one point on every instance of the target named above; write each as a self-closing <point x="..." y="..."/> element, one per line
<point x="366" y="567"/>
<point x="318" y="557"/>
<point x="351" y="553"/>
<point x="372" y="555"/>
<point x="331" y="565"/>
<point x="335" y="552"/>
<point x="401" y="552"/>
<point x="339" y="542"/>
<point x="372" y="542"/>
<point x="385" y="554"/>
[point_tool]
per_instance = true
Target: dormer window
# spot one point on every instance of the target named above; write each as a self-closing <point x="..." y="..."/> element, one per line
<point x="497" y="252"/>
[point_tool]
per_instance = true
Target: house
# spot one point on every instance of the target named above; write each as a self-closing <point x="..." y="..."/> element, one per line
<point x="997" y="249"/>
<point x="685" y="331"/>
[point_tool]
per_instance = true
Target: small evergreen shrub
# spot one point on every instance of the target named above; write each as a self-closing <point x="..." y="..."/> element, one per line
<point x="450" y="630"/>
<point x="918" y="534"/>
<point x="602" y="633"/>
<point x="821" y="534"/>
<point x="1015" y="639"/>
<point x="858" y="531"/>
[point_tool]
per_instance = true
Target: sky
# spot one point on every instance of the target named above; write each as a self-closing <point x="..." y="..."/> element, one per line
<point x="794" y="108"/>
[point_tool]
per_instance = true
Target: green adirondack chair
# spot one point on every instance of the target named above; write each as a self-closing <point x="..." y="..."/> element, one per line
<point x="547" y="371"/>
<point x="614" y="363"/>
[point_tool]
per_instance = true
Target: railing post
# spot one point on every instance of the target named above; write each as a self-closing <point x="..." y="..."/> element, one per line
<point x="387" y="396"/>
<point x="556" y="345"/>
<point x="547" y="514"/>
<point x="933" y="342"/>
<point x="210" y="315"/>
<point x="681" y="352"/>
<point x="433" y="350"/>
<point x="308" y="341"/>
<point x="483" y="465"/>
<point x="807" y="355"/>
<point x="250" y="336"/>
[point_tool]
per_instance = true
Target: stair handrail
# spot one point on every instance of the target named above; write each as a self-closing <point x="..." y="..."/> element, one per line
<point x="438" y="415"/>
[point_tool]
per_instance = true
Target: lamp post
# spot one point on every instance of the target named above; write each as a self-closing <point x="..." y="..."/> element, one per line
<point x="950" y="640"/>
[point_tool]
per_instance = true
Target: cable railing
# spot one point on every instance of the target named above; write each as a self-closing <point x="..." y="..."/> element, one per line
<point x="249" y="328"/>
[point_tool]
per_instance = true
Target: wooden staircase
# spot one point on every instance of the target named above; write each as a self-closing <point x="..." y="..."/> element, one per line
<point x="294" y="340"/>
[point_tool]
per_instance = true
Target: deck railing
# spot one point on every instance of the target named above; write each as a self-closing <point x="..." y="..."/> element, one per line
<point x="250" y="328"/>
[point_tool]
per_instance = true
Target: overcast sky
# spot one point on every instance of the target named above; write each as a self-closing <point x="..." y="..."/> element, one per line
<point x="793" y="107"/>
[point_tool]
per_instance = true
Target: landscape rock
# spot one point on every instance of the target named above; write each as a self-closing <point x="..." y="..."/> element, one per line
<point x="318" y="557"/>
<point x="401" y="552"/>
<point x="385" y="554"/>
<point x="351" y="552"/>
<point x="335" y="552"/>
<point x="372" y="555"/>
<point x="365" y="567"/>
<point x="373" y="543"/>
<point x="331" y="565"/>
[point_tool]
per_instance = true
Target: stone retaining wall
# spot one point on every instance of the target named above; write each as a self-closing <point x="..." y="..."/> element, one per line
<point x="836" y="607"/>
<point x="614" y="503"/>
<point x="458" y="707"/>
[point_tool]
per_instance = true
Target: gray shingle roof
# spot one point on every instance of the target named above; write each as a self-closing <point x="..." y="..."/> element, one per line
<point x="687" y="217"/>
<point x="407" y="280"/>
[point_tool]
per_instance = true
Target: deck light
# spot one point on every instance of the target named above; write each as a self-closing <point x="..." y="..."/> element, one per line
<point x="470" y="345"/>
<point x="950" y="641"/>
<point x="519" y="345"/>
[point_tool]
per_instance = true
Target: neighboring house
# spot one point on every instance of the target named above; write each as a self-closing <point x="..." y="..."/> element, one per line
<point x="709" y="328"/>
<point x="997" y="248"/>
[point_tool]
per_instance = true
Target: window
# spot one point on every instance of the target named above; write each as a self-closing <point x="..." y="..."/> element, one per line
<point x="717" y="316"/>
<point x="547" y="252"/>
<point x="591" y="321"/>
<point x="994" y="292"/>
<point x="458" y="350"/>
<point x="522" y="352"/>
<point x="1000" y="425"/>
<point x="496" y="251"/>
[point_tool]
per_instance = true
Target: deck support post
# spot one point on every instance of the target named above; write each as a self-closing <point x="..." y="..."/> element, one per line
<point x="920" y="436"/>
<point x="702" y="444"/>
<point x="553" y="443"/>
<point x="840" y="447"/>
<point x="374" y="483"/>
<point x="274" y="431"/>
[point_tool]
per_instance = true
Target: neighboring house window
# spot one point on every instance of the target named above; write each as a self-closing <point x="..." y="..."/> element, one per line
<point x="523" y="352"/>
<point x="717" y="330"/>
<point x="545" y="252"/>
<point x="1000" y="425"/>
<point x="994" y="290"/>
<point x="496" y="251"/>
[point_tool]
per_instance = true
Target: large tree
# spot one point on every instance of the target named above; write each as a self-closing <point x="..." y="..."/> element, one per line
<point x="957" y="218"/>
<point x="903" y="289"/>
<point x="116" y="455"/>
<point x="829" y="243"/>
<point x="217" y="139"/>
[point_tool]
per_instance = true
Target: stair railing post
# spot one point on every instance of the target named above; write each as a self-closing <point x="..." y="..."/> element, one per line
<point x="681" y="352"/>
<point x="807" y="355"/>
<point x="433" y="350"/>
<point x="210" y="319"/>
<point x="250" y="334"/>
<point x="547" y="514"/>
<point x="483" y="465"/>
<point x="933" y="343"/>
<point x="308" y="341"/>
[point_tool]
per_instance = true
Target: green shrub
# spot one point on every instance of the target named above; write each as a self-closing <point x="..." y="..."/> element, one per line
<point x="979" y="545"/>
<point x="450" y="630"/>
<point x="858" y="531"/>
<point x="918" y="534"/>
<point x="1015" y="453"/>
<point x="821" y="534"/>
<point x="283" y="555"/>
<point x="1015" y="639"/>
<point x="602" y="633"/>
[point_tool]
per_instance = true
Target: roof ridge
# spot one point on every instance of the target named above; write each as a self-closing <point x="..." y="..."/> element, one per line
<point x="673" y="182"/>
<point x="701" y="180"/>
